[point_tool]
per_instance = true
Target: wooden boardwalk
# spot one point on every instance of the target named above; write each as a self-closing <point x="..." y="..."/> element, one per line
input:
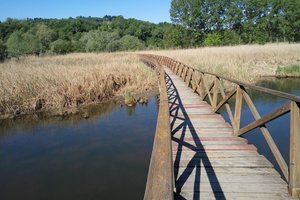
<point x="209" y="161"/>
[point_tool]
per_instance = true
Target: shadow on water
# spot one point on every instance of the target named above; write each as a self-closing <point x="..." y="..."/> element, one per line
<point x="278" y="128"/>
<point x="199" y="156"/>
<point x="103" y="157"/>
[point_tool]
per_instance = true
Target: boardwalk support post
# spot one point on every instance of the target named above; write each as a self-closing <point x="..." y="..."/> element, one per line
<point x="294" y="182"/>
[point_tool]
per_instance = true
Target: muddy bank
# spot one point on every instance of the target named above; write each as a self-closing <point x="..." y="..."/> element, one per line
<point x="84" y="110"/>
<point x="280" y="76"/>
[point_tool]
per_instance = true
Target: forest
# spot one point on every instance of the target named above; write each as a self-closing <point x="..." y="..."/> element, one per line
<point x="194" y="23"/>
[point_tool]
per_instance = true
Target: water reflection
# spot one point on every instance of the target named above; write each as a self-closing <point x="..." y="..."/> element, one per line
<point x="265" y="103"/>
<point x="103" y="157"/>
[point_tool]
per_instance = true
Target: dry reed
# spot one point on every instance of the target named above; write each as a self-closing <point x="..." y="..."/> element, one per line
<point x="245" y="62"/>
<point x="60" y="82"/>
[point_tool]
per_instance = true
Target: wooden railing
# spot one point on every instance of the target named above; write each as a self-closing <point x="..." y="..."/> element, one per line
<point x="211" y="86"/>
<point x="160" y="183"/>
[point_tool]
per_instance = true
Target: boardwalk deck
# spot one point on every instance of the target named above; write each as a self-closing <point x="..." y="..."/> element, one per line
<point x="209" y="162"/>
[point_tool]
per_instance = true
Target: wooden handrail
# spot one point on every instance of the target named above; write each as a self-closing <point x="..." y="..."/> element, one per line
<point x="211" y="89"/>
<point x="160" y="182"/>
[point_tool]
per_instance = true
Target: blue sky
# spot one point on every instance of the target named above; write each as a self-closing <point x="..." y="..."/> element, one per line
<point x="148" y="10"/>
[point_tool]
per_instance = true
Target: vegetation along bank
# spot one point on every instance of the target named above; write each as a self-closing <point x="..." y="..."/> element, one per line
<point x="61" y="84"/>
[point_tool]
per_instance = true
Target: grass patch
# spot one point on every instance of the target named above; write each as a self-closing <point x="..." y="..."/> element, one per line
<point x="288" y="71"/>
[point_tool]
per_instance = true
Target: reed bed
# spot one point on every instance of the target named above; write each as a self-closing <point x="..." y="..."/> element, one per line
<point x="246" y="62"/>
<point x="58" y="83"/>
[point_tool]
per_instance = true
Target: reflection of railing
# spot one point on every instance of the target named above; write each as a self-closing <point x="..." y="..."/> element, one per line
<point x="160" y="176"/>
<point x="211" y="86"/>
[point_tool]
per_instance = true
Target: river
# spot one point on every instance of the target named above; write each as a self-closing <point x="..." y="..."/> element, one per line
<point x="103" y="157"/>
<point x="106" y="156"/>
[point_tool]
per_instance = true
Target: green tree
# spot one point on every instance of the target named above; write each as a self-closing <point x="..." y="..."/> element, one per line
<point x="60" y="46"/>
<point x="175" y="37"/>
<point x="212" y="39"/>
<point x="46" y="35"/>
<point x="113" y="46"/>
<point x="15" y="45"/>
<point x="3" y="53"/>
<point x="201" y="15"/>
<point x="129" y="42"/>
<point x="292" y="17"/>
<point x="230" y="37"/>
<point x="97" y="40"/>
<point x="31" y="44"/>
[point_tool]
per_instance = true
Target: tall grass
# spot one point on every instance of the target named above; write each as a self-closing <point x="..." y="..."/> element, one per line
<point x="60" y="82"/>
<point x="288" y="71"/>
<point x="245" y="62"/>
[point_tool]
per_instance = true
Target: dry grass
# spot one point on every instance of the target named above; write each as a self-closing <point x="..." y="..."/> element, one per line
<point x="246" y="62"/>
<point x="61" y="82"/>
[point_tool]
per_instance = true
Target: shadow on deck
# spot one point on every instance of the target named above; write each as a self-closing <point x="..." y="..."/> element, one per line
<point x="195" y="146"/>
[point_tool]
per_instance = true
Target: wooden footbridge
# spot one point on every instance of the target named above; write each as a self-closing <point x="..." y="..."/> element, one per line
<point x="197" y="155"/>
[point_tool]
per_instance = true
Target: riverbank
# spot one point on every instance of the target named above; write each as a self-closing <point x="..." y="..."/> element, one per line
<point x="246" y="63"/>
<point x="62" y="84"/>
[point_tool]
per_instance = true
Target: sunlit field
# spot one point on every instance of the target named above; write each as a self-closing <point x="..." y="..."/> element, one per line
<point x="61" y="82"/>
<point x="246" y="62"/>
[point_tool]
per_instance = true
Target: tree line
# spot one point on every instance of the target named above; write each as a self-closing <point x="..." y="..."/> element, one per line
<point x="195" y="23"/>
<point x="81" y="34"/>
<point x="219" y="22"/>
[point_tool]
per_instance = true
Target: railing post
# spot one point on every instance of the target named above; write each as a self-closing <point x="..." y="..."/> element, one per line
<point x="201" y="86"/>
<point x="294" y="179"/>
<point x="238" y="109"/>
<point x="215" y="94"/>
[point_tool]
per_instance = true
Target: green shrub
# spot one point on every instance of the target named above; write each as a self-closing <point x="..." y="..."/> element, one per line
<point x="291" y="70"/>
<point x="60" y="46"/>
<point x="15" y="45"/>
<point x="129" y="98"/>
<point x="212" y="39"/>
<point x="129" y="42"/>
<point x="97" y="40"/>
<point x="3" y="53"/>
<point x="231" y="38"/>
<point x="113" y="46"/>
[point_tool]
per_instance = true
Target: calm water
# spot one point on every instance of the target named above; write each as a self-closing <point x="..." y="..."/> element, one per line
<point x="103" y="157"/>
<point x="278" y="128"/>
<point x="106" y="156"/>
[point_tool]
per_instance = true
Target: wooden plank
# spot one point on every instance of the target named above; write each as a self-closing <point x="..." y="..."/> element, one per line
<point x="178" y="134"/>
<point x="216" y="148"/>
<point x="215" y="94"/>
<point x="160" y="182"/>
<point x="238" y="109"/>
<point x="233" y="187"/>
<point x="230" y="171"/>
<point x="189" y="78"/>
<point x="224" y="139"/>
<point x="228" y="178"/>
<point x="208" y="130"/>
<point x="294" y="183"/>
<point x="207" y="90"/>
<point x="204" y="124"/>
<point x="210" y="142"/>
<point x="228" y="196"/>
<point x="216" y="154"/>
